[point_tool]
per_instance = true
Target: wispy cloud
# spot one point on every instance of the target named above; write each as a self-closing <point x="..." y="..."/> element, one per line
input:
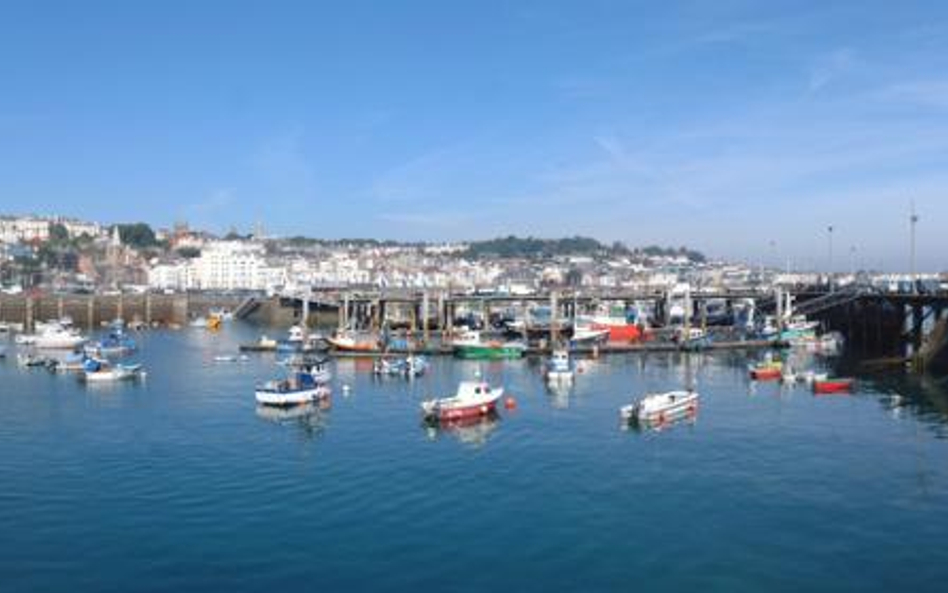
<point x="830" y="67"/>
<point x="922" y="93"/>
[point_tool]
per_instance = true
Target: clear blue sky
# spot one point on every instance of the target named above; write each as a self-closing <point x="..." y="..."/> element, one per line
<point x="740" y="128"/>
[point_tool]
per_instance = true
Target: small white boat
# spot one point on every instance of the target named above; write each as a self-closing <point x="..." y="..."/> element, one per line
<point x="230" y="358"/>
<point x="658" y="408"/>
<point x="31" y="359"/>
<point x="473" y="398"/>
<point x="559" y="368"/>
<point x="53" y="336"/>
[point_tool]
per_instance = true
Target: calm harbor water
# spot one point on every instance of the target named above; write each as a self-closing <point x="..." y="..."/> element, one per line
<point x="180" y="483"/>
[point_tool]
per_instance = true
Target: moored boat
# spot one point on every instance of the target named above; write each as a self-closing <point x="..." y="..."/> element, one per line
<point x="766" y="371"/>
<point x="473" y="399"/>
<point x="411" y="366"/>
<point x="117" y="343"/>
<point x="661" y="407"/>
<point x="559" y="367"/>
<point x="264" y="344"/>
<point x="348" y="341"/>
<point x="833" y="385"/>
<point x="470" y="345"/>
<point x="309" y="383"/>
<point x="97" y="370"/>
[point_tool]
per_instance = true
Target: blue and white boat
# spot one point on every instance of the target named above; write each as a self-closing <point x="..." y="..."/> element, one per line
<point x="98" y="370"/>
<point x="304" y="385"/>
<point x="412" y="366"/>
<point x="559" y="367"/>
<point x="117" y="343"/>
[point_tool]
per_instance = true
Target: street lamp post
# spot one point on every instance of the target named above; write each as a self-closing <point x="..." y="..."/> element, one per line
<point x="829" y="271"/>
<point x="913" y="220"/>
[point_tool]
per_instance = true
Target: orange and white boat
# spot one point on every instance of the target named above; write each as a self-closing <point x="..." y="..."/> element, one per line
<point x="767" y="371"/>
<point x="352" y="342"/>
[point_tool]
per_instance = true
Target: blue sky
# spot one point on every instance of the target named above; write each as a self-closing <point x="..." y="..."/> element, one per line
<point x="740" y="128"/>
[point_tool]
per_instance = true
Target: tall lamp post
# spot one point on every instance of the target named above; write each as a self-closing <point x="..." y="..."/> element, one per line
<point x="829" y="271"/>
<point x="913" y="220"/>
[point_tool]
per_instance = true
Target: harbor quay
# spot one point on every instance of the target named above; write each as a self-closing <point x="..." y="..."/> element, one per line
<point x="92" y="310"/>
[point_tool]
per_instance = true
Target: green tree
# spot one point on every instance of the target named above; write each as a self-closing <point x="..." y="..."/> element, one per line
<point x="138" y="235"/>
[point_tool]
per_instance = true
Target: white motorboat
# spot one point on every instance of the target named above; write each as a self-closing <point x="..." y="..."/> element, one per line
<point x="661" y="407"/>
<point x="54" y="335"/>
<point x="473" y="398"/>
<point x="559" y="368"/>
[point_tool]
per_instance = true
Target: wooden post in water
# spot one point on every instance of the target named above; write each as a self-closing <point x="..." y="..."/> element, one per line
<point x="60" y="309"/>
<point x="148" y="309"/>
<point x="28" y="319"/>
<point x="120" y="308"/>
<point x="553" y="319"/>
<point x="424" y="317"/>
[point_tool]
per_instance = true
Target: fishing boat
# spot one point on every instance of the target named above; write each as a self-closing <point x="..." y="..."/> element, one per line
<point x="473" y="399"/>
<point x="766" y="371"/>
<point x="97" y="370"/>
<point x="348" y="341"/>
<point x="470" y="345"/>
<point x="692" y="338"/>
<point x="303" y="386"/>
<point x="587" y="335"/>
<point x="833" y="385"/>
<point x="117" y="343"/>
<point x="658" y="408"/>
<point x="559" y="367"/>
<point x="616" y="320"/>
<point x="411" y="366"/>
<point x="71" y="363"/>
<point x="264" y="344"/>
<point x="53" y="335"/>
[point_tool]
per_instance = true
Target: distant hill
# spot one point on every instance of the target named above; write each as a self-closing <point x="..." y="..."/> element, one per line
<point x="531" y="247"/>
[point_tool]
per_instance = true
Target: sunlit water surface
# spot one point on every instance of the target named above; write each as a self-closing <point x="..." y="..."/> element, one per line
<point x="181" y="483"/>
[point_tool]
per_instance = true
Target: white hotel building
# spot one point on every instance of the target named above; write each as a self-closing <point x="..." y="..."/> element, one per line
<point x="223" y="265"/>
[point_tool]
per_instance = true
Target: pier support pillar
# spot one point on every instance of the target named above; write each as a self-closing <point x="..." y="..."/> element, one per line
<point x="60" y="309"/>
<point x="120" y="308"/>
<point x="90" y="312"/>
<point x="28" y="316"/>
<point x="424" y="317"/>
<point x="148" y="309"/>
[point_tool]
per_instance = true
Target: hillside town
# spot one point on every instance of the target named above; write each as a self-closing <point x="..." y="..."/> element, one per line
<point x="57" y="254"/>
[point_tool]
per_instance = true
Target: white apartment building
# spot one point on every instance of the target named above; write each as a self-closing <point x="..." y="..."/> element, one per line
<point x="222" y="265"/>
<point x="23" y="229"/>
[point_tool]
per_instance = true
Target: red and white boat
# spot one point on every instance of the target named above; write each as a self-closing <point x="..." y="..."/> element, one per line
<point x="473" y="399"/>
<point x="828" y="386"/>
<point x="618" y="327"/>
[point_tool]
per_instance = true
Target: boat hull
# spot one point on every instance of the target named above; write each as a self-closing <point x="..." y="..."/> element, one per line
<point x="461" y="413"/>
<point x="672" y="407"/>
<point x="831" y="386"/>
<point x="462" y="408"/>
<point x="488" y="352"/>
<point x="268" y="397"/>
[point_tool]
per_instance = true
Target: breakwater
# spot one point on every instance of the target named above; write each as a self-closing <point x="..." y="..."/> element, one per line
<point x="94" y="310"/>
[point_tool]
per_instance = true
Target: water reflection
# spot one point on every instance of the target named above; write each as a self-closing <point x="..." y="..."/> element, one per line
<point x="473" y="432"/>
<point x="559" y="393"/>
<point x="312" y="418"/>
<point x="686" y="418"/>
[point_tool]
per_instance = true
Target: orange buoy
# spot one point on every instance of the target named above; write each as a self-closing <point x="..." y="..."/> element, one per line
<point x="510" y="403"/>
